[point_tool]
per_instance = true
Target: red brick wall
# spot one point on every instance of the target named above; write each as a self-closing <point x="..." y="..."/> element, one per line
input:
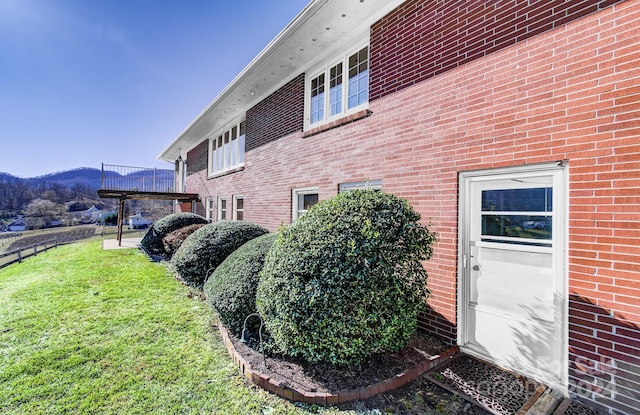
<point x="422" y="39"/>
<point x="572" y="93"/>
<point x="279" y="114"/>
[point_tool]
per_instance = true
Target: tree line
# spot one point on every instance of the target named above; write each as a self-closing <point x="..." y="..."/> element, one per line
<point x="17" y="194"/>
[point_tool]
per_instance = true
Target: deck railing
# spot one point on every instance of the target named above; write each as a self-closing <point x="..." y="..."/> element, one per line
<point x="137" y="179"/>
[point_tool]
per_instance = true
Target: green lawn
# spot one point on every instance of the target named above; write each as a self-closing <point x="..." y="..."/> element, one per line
<point x="88" y="331"/>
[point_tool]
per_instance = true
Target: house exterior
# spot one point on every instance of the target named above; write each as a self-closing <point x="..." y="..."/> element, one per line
<point x="17" y="225"/>
<point x="138" y="221"/>
<point x="98" y="216"/>
<point x="512" y="126"/>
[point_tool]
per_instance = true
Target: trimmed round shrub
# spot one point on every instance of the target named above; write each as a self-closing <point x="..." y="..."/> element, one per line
<point x="174" y="239"/>
<point x="205" y="249"/>
<point x="345" y="281"/>
<point x="231" y="289"/>
<point x="152" y="241"/>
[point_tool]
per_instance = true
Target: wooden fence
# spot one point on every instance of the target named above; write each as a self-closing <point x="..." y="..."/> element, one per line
<point x="20" y="254"/>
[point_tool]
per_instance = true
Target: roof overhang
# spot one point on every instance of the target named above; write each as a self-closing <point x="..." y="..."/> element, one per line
<point x="320" y="30"/>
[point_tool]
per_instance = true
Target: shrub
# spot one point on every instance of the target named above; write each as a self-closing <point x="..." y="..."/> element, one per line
<point x="205" y="249"/>
<point x="231" y="289"/>
<point x="345" y="281"/>
<point x="174" y="239"/>
<point x="152" y="241"/>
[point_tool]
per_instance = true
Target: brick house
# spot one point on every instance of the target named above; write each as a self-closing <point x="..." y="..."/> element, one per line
<point x="512" y="126"/>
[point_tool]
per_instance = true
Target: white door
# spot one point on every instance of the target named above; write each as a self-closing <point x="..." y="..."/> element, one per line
<point x="512" y="300"/>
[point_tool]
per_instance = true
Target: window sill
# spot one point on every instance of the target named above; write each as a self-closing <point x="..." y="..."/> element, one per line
<point x="225" y="173"/>
<point x="337" y="123"/>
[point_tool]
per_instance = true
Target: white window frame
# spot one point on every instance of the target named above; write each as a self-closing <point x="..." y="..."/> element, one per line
<point x="226" y="149"/>
<point x="209" y="209"/>
<point x="220" y="209"/>
<point x="368" y="184"/>
<point x="326" y="71"/>
<point x="235" y="207"/>
<point x="296" y="212"/>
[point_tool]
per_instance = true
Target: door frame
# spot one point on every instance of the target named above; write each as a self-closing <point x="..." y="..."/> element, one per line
<point x="463" y="247"/>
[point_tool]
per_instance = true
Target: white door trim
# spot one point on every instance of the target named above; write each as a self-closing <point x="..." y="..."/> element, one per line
<point x="464" y="256"/>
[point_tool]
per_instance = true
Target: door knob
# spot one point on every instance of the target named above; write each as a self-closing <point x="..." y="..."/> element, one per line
<point x="476" y="268"/>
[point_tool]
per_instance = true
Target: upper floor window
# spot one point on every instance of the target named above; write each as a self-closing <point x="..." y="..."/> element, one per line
<point x="227" y="150"/>
<point x="327" y="96"/>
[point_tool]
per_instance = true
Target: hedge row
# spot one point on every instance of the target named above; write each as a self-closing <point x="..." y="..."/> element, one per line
<point x="343" y="282"/>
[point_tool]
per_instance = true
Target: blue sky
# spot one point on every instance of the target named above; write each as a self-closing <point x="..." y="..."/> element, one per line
<point x="84" y="82"/>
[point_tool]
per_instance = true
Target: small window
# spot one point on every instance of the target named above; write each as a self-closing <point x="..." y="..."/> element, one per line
<point x="302" y="200"/>
<point x="238" y="208"/>
<point x="209" y="209"/>
<point x="222" y="209"/>
<point x="369" y="184"/>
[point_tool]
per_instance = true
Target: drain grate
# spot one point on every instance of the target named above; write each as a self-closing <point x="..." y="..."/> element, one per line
<point x="498" y="391"/>
<point x="576" y="408"/>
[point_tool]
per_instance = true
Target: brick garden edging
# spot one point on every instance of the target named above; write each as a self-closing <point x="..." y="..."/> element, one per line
<point x="323" y="398"/>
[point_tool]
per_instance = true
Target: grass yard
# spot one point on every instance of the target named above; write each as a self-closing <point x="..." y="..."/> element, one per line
<point x="87" y="331"/>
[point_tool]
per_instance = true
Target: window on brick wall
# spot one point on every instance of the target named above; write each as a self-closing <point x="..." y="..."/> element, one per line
<point x="227" y="149"/>
<point x="222" y="209"/>
<point x="238" y="207"/>
<point x="209" y="209"/>
<point x="327" y="96"/>
<point x="301" y="200"/>
<point x="369" y="184"/>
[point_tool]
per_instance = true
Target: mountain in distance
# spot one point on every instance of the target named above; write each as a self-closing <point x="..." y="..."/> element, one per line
<point x="84" y="176"/>
<point x="90" y="177"/>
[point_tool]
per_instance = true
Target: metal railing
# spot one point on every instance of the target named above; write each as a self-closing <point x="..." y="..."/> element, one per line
<point x="137" y="179"/>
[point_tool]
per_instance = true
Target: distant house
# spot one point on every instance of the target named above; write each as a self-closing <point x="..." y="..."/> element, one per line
<point x="137" y="221"/>
<point x="17" y="225"/>
<point x="85" y="215"/>
<point x="99" y="216"/>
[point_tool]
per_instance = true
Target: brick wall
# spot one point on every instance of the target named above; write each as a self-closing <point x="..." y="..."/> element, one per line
<point x="197" y="157"/>
<point x="422" y="39"/>
<point x="571" y="93"/>
<point x="276" y="116"/>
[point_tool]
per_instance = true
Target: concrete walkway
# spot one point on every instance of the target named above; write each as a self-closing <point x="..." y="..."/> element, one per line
<point x="127" y="243"/>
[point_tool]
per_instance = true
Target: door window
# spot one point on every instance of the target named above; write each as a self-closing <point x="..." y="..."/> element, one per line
<point x="517" y="216"/>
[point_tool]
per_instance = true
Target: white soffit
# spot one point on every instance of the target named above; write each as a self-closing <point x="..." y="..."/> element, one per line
<point x="323" y="28"/>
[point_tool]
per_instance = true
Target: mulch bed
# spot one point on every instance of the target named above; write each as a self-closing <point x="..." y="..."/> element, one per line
<point x="324" y="377"/>
<point x="417" y="398"/>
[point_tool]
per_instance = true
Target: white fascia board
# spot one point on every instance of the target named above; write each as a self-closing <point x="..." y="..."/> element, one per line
<point x="288" y="55"/>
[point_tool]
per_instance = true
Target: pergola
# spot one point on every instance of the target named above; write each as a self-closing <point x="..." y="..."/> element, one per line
<point x="128" y="183"/>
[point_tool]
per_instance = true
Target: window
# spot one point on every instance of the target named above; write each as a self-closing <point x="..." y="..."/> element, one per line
<point x="323" y="107"/>
<point x="302" y="200"/>
<point x="369" y="184"/>
<point x="238" y="208"/>
<point x="222" y="209"/>
<point x="227" y="150"/>
<point x="518" y="216"/>
<point x="209" y="207"/>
